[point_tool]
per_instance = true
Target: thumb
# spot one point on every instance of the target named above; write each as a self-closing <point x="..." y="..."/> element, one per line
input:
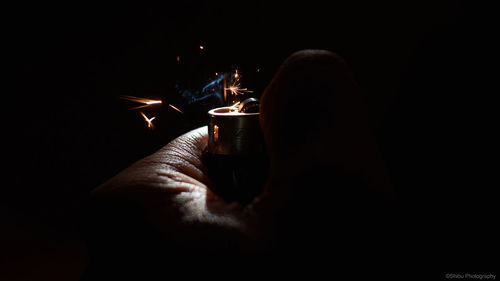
<point x="315" y="126"/>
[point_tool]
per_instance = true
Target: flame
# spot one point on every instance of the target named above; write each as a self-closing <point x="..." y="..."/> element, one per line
<point x="143" y="101"/>
<point x="149" y="121"/>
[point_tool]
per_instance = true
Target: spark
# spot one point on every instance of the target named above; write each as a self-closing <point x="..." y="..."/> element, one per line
<point x="201" y="47"/>
<point x="234" y="107"/>
<point x="149" y="121"/>
<point x="235" y="87"/>
<point x="143" y="101"/>
<point x="176" y="108"/>
<point x="236" y="90"/>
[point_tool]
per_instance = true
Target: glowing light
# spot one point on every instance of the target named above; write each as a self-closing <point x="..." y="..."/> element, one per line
<point x="258" y="69"/>
<point x="149" y="121"/>
<point x="235" y="87"/>
<point x="236" y="90"/>
<point x="216" y="133"/>
<point x="201" y="47"/>
<point x="175" y="108"/>
<point x="143" y="101"/>
<point x="233" y="107"/>
<point x="178" y="58"/>
<point x="147" y="103"/>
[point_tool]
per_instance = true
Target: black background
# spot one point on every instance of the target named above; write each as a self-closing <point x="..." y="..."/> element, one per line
<point x="423" y="68"/>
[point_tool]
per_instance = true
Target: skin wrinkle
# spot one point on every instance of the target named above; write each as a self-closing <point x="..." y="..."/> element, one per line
<point x="194" y="211"/>
<point x="192" y="144"/>
<point x="164" y="180"/>
<point x="176" y="176"/>
<point x="167" y="172"/>
<point x="171" y="159"/>
<point x="186" y="152"/>
<point x="183" y="163"/>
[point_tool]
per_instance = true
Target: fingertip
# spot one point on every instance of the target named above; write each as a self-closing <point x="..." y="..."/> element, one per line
<point x="310" y="88"/>
<point x="314" y="56"/>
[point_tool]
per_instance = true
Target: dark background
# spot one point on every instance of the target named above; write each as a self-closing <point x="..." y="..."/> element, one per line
<point x="423" y="68"/>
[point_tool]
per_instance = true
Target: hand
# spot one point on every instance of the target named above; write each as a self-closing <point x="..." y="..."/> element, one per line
<point x="173" y="190"/>
<point x="326" y="178"/>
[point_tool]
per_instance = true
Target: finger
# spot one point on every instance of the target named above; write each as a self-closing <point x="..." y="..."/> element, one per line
<point x="171" y="189"/>
<point x="162" y="193"/>
<point x="157" y="212"/>
<point x="185" y="154"/>
<point x="315" y="124"/>
<point x="179" y="162"/>
<point x="328" y="188"/>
